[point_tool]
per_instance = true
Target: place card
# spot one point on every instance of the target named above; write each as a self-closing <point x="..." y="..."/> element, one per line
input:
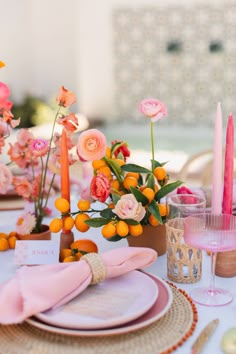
<point x="36" y="252"/>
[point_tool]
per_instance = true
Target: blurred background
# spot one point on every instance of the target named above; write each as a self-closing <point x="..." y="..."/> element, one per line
<point x="113" y="54"/>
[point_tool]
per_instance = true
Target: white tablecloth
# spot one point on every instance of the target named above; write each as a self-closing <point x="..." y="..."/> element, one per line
<point x="226" y="314"/>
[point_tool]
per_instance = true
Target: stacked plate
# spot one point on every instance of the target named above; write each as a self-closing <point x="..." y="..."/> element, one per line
<point x="114" y="306"/>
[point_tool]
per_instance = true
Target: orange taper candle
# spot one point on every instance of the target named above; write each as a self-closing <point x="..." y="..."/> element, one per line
<point x="65" y="177"/>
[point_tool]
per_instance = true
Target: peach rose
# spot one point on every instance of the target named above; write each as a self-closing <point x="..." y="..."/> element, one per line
<point x="100" y="187"/>
<point x="129" y="208"/>
<point x="91" y="145"/>
<point x="152" y="108"/>
<point x="5" y="178"/>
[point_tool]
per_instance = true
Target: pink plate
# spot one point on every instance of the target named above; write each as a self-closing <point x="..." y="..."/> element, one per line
<point x="110" y="303"/>
<point x="159" y="309"/>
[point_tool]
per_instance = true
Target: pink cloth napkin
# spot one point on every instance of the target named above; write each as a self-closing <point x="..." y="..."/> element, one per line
<point x="39" y="288"/>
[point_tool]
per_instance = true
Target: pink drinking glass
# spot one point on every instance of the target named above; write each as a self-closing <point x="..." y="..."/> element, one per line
<point x="214" y="233"/>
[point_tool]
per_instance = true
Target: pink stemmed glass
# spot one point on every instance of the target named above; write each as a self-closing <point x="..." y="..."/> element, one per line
<point x="214" y="233"/>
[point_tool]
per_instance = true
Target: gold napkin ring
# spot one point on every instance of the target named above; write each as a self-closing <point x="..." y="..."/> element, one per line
<point x="97" y="266"/>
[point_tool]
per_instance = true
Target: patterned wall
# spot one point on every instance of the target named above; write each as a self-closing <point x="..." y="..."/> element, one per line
<point x="185" y="56"/>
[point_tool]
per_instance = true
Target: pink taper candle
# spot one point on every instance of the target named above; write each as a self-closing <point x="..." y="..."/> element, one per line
<point x="65" y="179"/>
<point x="217" y="164"/>
<point x="227" y="205"/>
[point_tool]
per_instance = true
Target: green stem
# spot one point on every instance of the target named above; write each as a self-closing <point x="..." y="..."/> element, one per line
<point x="152" y="141"/>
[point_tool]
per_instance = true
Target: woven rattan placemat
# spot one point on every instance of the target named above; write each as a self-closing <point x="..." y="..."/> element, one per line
<point x="163" y="336"/>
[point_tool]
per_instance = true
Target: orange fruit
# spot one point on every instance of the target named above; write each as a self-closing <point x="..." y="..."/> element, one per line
<point x="149" y="193"/>
<point x="106" y="171"/>
<point x="98" y="164"/>
<point x="69" y="259"/>
<point x="152" y="220"/>
<point x="135" y="230"/>
<point x="80" y="222"/>
<point x="160" y="173"/>
<point x="4" y="245"/>
<point x="108" y="152"/>
<point x="13" y="233"/>
<point x="78" y="255"/>
<point x="65" y="252"/>
<point x="83" y="205"/>
<point x="115" y="184"/>
<point x="12" y="241"/>
<point x="130" y="181"/>
<point x="68" y="223"/>
<point x="162" y="209"/>
<point x="84" y="245"/>
<point x="111" y="205"/>
<point x="108" y="230"/>
<point x="132" y="174"/>
<point x="56" y="225"/>
<point x="122" y="228"/>
<point x="156" y="188"/>
<point x="62" y="205"/>
<point x="3" y="235"/>
<point x="120" y="162"/>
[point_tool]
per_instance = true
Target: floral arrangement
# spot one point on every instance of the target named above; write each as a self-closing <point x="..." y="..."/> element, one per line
<point x="38" y="159"/>
<point x="131" y="195"/>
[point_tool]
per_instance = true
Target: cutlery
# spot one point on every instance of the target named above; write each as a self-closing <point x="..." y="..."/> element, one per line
<point x="204" y="336"/>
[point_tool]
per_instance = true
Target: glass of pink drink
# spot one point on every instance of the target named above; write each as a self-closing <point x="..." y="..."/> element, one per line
<point x="214" y="233"/>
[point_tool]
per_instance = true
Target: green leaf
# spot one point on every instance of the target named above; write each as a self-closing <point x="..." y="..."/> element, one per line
<point x="154" y="210"/>
<point x="139" y="196"/>
<point x="150" y="181"/>
<point x="114" y="238"/>
<point x="97" y="222"/>
<point x="130" y="167"/>
<point x="107" y="213"/>
<point x="158" y="164"/>
<point x="115" y="197"/>
<point x="167" y="189"/>
<point x="115" y="167"/>
<point x="131" y="222"/>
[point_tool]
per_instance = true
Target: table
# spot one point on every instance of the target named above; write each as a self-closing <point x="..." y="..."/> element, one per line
<point x="226" y="314"/>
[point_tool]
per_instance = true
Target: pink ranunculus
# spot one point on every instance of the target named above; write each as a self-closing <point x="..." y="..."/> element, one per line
<point x="100" y="187"/>
<point x="153" y="109"/>
<point x="5" y="178"/>
<point x="129" y="208"/>
<point x="123" y="149"/>
<point x="65" y="97"/>
<point x="91" y="145"/>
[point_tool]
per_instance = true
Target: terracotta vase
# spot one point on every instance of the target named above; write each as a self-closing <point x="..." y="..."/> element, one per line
<point x="44" y="235"/>
<point x="152" y="237"/>
<point x="226" y="264"/>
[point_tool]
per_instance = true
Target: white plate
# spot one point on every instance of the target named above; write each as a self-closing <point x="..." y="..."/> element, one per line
<point x="110" y="303"/>
<point x="157" y="311"/>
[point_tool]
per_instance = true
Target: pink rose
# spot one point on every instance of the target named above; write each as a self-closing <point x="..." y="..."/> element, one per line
<point x="5" y="178"/>
<point x="152" y="108"/>
<point x="91" y="145"/>
<point x="65" y="97"/>
<point x="129" y="208"/>
<point x="100" y="187"/>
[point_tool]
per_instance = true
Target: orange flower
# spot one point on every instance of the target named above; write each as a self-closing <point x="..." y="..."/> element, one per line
<point x="65" y="97"/>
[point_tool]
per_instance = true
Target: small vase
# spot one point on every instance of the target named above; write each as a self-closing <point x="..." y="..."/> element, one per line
<point x="152" y="237"/>
<point x="226" y="264"/>
<point x="45" y="234"/>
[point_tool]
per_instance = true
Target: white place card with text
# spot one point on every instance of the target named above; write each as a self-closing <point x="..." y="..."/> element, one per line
<point x="36" y="252"/>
